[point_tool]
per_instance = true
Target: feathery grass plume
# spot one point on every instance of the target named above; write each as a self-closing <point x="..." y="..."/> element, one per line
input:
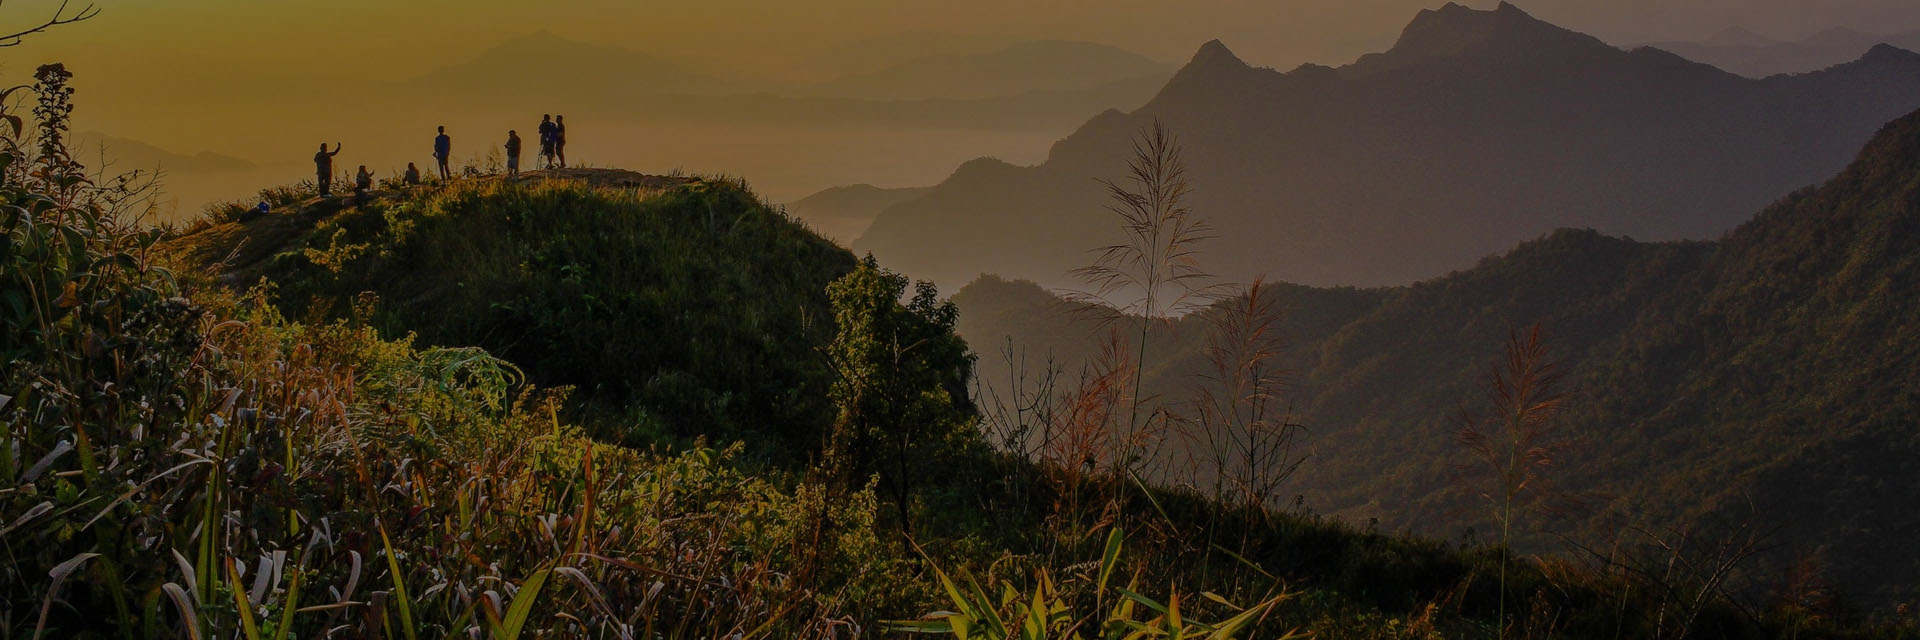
<point x="1238" y="432"/>
<point x="1153" y="274"/>
<point x="1512" y="443"/>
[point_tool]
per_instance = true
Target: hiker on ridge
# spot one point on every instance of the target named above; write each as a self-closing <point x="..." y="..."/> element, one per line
<point x="513" y="153"/>
<point x="546" y="140"/>
<point x="442" y="149"/>
<point x="323" y="168"/>
<point x="362" y="181"/>
<point x="412" y="176"/>
<point x="560" y="139"/>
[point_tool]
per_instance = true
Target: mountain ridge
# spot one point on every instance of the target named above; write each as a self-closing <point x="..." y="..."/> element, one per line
<point x="1318" y="175"/>
<point x="1765" y="375"/>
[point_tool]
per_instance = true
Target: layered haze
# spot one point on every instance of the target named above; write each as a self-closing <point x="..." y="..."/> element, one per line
<point x="797" y="96"/>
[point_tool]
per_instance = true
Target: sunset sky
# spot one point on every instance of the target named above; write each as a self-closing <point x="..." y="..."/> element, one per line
<point x="377" y="37"/>
<point x="262" y="79"/>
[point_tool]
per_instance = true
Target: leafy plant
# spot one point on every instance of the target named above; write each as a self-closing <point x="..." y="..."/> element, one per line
<point x="900" y="380"/>
<point x="1042" y="612"/>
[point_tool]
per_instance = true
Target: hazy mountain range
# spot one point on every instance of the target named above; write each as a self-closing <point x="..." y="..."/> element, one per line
<point x="130" y="155"/>
<point x="841" y="214"/>
<point x="1477" y="130"/>
<point x="1766" y="378"/>
<point x="1753" y="55"/>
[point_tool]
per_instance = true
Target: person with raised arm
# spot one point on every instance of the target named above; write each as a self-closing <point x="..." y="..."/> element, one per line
<point x="323" y="168"/>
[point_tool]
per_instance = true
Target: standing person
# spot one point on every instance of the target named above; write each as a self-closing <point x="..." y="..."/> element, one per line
<point x="546" y="140"/>
<point x="560" y="139"/>
<point x="323" y="168"/>
<point x="412" y="176"/>
<point x="513" y="153"/>
<point x="443" y="149"/>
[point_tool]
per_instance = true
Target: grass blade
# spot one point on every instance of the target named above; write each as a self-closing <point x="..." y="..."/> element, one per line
<point x="399" y="585"/>
<point x="59" y="575"/>
<point x="522" y="606"/>
<point x="248" y="627"/>
<point x="184" y="604"/>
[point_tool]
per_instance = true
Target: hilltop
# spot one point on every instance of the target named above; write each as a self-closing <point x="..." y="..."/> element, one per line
<point x="686" y="303"/>
<point x="1477" y="130"/>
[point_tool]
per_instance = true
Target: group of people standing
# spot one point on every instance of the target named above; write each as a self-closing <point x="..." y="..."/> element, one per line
<point x="553" y="152"/>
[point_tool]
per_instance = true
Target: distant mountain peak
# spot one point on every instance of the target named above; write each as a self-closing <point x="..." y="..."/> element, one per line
<point x="1213" y="66"/>
<point x="1215" y="53"/>
<point x="1885" y="53"/>
<point x="1457" y="28"/>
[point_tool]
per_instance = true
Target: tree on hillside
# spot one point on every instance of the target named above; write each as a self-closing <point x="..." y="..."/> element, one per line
<point x="1511" y="441"/>
<point x="900" y="381"/>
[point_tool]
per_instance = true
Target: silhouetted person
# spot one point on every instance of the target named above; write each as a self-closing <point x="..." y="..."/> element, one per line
<point x="443" y="149"/>
<point x="412" y="176"/>
<point x="546" y="140"/>
<point x="560" y="139"/>
<point x="323" y="168"/>
<point x="513" y="153"/>
<point x="362" y="181"/>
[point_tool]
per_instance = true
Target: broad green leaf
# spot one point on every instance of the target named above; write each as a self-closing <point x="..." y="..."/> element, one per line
<point x="1109" y="558"/>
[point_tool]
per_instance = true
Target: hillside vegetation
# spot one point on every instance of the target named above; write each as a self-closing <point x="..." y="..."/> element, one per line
<point x="216" y="432"/>
<point x="1759" y="384"/>
<point x="687" y="301"/>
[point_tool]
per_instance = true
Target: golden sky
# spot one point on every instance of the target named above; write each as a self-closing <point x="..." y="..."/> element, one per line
<point x="250" y="78"/>
<point x="384" y="37"/>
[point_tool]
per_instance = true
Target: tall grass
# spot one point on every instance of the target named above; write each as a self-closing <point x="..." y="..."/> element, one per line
<point x="1512" y="443"/>
<point x="1153" y="272"/>
<point x="182" y="460"/>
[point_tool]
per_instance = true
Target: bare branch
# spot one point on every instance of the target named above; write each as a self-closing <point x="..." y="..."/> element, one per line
<point x="60" y="18"/>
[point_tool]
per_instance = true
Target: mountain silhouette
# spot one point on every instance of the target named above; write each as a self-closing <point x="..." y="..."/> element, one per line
<point x="1756" y="56"/>
<point x="1477" y="130"/>
<point x="1764" y="377"/>
<point x="843" y="213"/>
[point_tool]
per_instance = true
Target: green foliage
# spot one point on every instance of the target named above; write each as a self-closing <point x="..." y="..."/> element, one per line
<point x="900" y="378"/>
<point x="1044" y="611"/>
<point x="187" y="462"/>
<point x="692" y="305"/>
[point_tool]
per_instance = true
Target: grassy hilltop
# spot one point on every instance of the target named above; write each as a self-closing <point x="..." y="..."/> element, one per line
<point x="218" y="431"/>
<point x="686" y="300"/>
